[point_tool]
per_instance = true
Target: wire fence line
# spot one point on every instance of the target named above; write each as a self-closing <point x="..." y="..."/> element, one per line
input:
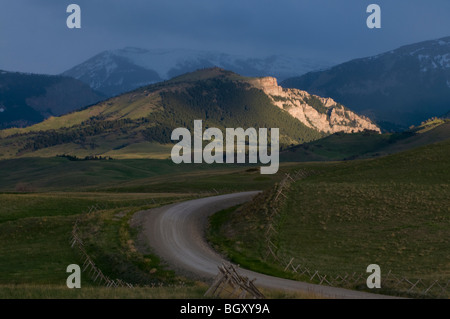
<point x="230" y="284"/>
<point x="89" y="266"/>
<point x="418" y="286"/>
<point x="390" y="281"/>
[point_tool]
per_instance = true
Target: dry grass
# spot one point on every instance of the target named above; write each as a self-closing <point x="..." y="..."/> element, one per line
<point x="62" y="292"/>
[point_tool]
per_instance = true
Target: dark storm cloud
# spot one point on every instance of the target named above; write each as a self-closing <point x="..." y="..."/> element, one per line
<point x="34" y="37"/>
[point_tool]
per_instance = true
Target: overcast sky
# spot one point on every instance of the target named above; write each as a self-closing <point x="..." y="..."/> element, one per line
<point x="34" y="36"/>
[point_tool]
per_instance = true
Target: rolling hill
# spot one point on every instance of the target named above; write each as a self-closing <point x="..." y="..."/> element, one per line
<point x="340" y="217"/>
<point x="26" y="99"/>
<point x="139" y="123"/>
<point x="396" y="89"/>
<point x="339" y="146"/>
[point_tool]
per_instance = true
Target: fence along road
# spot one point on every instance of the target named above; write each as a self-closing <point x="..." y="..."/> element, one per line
<point x="177" y="234"/>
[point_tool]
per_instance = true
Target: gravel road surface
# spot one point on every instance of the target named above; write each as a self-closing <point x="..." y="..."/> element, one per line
<point x="176" y="233"/>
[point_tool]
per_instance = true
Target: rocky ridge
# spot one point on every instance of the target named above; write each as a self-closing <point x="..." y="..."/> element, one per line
<point x="323" y="114"/>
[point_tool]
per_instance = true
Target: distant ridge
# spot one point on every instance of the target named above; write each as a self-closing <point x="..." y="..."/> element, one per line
<point x="26" y="99"/>
<point x="396" y="89"/>
<point x="119" y="71"/>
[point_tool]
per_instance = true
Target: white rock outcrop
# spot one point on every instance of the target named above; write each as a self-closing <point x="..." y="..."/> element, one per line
<point x="329" y="117"/>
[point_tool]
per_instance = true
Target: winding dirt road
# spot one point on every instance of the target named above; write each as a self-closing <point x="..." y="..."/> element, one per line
<point x="176" y="233"/>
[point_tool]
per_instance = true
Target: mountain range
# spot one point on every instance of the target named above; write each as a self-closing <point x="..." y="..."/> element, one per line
<point x="139" y="123"/>
<point x="118" y="71"/>
<point x="27" y="99"/>
<point x="397" y="89"/>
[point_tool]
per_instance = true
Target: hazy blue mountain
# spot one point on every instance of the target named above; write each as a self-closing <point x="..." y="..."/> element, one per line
<point x="119" y="71"/>
<point x="397" y="89"/>
<point x="27" y="99"/>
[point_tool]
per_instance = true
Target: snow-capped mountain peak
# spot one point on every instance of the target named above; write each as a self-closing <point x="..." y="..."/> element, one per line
<point x="118" y="71"/>
<point x="433" y="54"/>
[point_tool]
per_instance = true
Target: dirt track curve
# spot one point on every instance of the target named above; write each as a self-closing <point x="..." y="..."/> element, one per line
<point x="176" y="233"/>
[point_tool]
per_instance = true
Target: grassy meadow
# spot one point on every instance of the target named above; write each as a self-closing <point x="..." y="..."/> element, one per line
<point x="392" y="211"/>
<point x="42" y="198"/>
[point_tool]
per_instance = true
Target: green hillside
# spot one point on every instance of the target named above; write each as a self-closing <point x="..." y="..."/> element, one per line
<point x="392" y="211"/>
<point x="42" y="197"/>
<point x="130" y="175"/>
<point x="341" y="146"/>
<point x="146" y="117"/>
